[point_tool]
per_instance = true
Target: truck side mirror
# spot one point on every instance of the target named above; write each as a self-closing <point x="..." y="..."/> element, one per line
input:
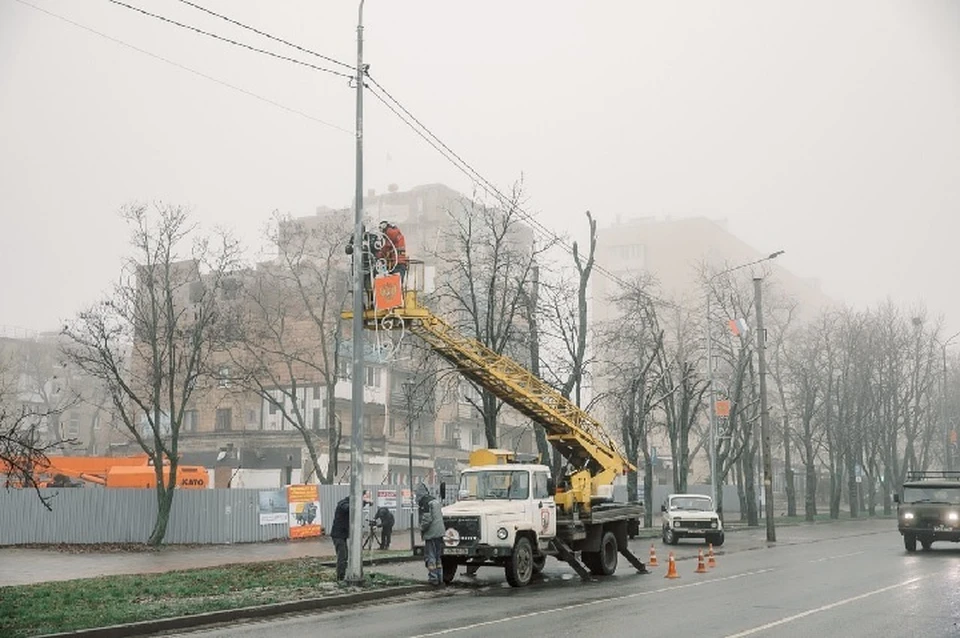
<point x="896" y="498"/>
<point x="551" y="487"/>
<point x="663" y="508"/>
<point x="443" y="490"/>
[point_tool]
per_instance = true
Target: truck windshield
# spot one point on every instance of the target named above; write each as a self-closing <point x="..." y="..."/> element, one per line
<point x="694" y="503"/>
<point x="942" y="495"/>
<point x="513" y="485"/>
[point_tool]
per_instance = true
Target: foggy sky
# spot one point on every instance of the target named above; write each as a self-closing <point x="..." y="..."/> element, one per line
<point x="827" y="129"/>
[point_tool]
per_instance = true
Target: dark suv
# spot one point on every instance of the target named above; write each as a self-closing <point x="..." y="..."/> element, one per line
<point x="928" y="508"/>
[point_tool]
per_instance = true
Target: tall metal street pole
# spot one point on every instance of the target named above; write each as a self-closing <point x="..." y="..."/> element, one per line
<point x="408" y="390"/>
<point x="714" y="473"/>
<point x="947" y="443"/>
<point x="355" y="559"/>
<point x="764" y="414"/>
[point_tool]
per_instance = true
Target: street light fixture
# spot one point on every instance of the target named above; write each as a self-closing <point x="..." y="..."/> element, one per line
<point x="714" y="480"/>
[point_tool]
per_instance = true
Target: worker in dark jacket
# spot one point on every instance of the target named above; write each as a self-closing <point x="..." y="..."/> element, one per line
<point x="340" y="532"/>
<point x="431" y="530"/>
<point x="384" y="517"/>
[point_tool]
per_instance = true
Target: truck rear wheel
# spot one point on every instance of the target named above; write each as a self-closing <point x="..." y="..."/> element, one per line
<point x="519" y="567"/>
<point x="603" y="562"/>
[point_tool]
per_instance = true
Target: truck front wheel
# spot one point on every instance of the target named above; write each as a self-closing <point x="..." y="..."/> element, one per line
<point x="519" y="567"/>
<point x="910" y="542"/>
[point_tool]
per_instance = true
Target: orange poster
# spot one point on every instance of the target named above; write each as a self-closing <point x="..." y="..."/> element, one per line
<point x="387" y="293"/>
<point x="304" y="503"/>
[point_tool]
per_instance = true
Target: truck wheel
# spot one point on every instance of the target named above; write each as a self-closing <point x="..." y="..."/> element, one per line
<point x="539" y="562"/>
<point x="716" y="539"/>
<point x="925" y="544"/>
<point x="449" y="570"/>
<point x="910" y="542"/>
<point x="519" y="567"/>
<point x="608" y="554"/>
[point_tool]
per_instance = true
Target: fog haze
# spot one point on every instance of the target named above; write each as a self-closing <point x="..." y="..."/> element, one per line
<point x="826" y="129"/>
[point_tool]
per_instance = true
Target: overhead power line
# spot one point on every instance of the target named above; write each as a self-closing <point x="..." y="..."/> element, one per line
<point x="265" y="34"/>
<point x="228" y="40"/>
<point x="418" y="127"/>
<point x="233" y="87"/>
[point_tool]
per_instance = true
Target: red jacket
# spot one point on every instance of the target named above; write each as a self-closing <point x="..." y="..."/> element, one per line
<point x="394" y="251"/>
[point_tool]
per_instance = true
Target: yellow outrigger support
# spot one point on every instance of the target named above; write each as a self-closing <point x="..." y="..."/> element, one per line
<point x="580" y="439"/>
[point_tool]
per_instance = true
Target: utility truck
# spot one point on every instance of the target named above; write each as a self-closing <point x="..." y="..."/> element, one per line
<point x="509" y="514"/>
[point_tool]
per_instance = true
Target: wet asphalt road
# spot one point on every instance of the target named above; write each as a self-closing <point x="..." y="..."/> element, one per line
<point x="843" y="579"/>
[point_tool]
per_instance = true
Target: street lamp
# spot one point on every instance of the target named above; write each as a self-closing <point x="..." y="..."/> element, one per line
<point x="715" y="488"/>
<point x="408" y="388"/>
<point x="948" y="457"/>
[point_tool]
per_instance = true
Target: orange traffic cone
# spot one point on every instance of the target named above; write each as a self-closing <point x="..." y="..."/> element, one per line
<point x="701" y="568"/>
<point x="653" y="557"/>
<point x="711" y="561"/>
<point x="671" y="567"/>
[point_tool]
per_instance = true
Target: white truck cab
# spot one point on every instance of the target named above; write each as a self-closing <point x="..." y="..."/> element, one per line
<point x="690" y="516"/>
<point x="504" y="515"/>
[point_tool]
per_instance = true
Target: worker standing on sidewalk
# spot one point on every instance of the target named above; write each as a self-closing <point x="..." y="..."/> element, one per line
<point x="431" y="530"/>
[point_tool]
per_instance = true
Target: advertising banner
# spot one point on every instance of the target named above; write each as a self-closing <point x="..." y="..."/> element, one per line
<point x="387" y="498"/>
<point x="273" y="507"/>
<point x="304" y="501"/>
<point x="407" y="499"/>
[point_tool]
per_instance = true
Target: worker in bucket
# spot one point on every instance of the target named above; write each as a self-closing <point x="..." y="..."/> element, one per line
<point x="394" y="250"/>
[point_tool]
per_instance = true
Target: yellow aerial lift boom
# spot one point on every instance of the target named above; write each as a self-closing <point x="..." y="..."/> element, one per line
<point x="593" y="459"/>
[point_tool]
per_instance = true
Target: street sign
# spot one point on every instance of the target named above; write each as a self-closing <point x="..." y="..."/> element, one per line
<point x="723" y="408"/>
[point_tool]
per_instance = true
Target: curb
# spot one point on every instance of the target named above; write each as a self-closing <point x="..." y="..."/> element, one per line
<point x="147" y="627"/>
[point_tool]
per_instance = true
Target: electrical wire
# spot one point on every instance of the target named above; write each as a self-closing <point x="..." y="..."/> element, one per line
<point x="228" y="40"/>
<point x="186" y="68"/>
<point x="420" y="129"/>
<point x="265" y="34"/>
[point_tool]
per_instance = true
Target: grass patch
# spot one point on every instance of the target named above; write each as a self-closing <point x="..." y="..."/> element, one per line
<point x="30" y="610"/>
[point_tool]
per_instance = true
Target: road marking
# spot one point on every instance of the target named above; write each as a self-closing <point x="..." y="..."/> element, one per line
<point x="591" y="603"/>
<point x="810" y="612"/>
<point x="820" y="560"/>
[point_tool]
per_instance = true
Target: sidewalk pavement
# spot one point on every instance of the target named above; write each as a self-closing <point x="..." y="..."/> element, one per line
<point x="21" y="566"/>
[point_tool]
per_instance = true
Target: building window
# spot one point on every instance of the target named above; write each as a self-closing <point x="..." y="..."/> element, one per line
<point x="449" y="432"/>
<point x="190" y="420"/>
<point x="73" y="426"/>
<point x="224" y="418"/>
<point x="317" y="425"/>
<point x="223" y="377"/>
<point x="344" y="368"/>
<point x="251" y="417"/>
<point x="373" y="377"/>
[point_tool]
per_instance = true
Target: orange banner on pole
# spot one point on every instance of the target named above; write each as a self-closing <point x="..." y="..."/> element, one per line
<point x="387" y="293"/>
<point x="723" y="408"/>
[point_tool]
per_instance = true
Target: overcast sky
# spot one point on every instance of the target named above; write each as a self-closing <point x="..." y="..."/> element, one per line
<point x="828" y="129"/>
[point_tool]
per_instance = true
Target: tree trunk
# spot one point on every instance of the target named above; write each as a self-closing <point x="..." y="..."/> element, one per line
<point x="810" y="498"/>
<point x="489" y="417"/>
<point x="789" y="483"/>
<point x="164" y="505"/>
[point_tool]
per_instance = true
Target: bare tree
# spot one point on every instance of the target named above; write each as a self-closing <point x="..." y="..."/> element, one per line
<point x="566" y="327"/>
<point x="290" y="331"/>
<point x="683" y="391"/>
<point x="151" y="341"/>
<point x="23" y="446"/>
<point x="485" y="270"/>
<point x="632" y="345"/>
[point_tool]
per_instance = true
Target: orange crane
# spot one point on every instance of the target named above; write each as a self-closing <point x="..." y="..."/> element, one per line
<point x="113" y="471"/>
